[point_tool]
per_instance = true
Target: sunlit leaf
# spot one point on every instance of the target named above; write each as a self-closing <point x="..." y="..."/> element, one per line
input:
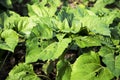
<point x="94" y="24"/>
<point x="22" y="71"/>
<point x="87" y="67"/>
<point x="88" y="41"/>
<point x="49" y="52"/>
<point x="10" y="40"/>
<point x="54" y="50"/>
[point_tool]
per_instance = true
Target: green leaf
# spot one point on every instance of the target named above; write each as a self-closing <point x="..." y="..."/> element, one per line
<point x="76" y="26"/>
<point x="95" y="25"/>
<point x="11" y="40"/>
<point x="43" y="31"/>
<point x="112" y="63"/>
<point x="54" y="50"/>
<point x="108" y="17"/>
<point x="102" y="3"/>
<point x="32" y="55"/>
<point x="48" y="67"/>
<point x="87" y="67"/>
<point x="37" y="10"/>
<point x="63" y="70"/>
<point x="65" y="26"/>
<point x="117" y="66"/>
<point x="60" y="36"/>
<point x="50" y="51"/>
<point x="42" y="10"/>
<point x="25" y="25"/>
<point x="22" y="71"/>
<point x="88" y="41"/>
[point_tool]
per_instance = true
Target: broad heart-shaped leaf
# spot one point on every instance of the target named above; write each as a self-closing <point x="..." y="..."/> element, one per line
<point x="95" y="25"/>
<point x="63" y="70"/>
<point x="112" y="63"/>
<point x="22" y="71"/>
<point x="11" y="40"/>
<point x="51" y="51"/>
<point x="87" y="41"/>
<point x="87" y="67"/>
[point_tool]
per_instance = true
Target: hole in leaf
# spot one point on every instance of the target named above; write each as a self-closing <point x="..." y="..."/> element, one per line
<point x="39" y="45"/>
<point x="101" y="62"/>
<point x="47" y="5"/>
<point x="27" y="72"/>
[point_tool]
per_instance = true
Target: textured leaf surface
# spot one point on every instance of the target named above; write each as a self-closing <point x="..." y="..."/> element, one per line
<point x="88" y="41"/>
<point x="41" y="10"/>
<point x="43" y="31"/>
<point x="10" y="40"/>
<point x="25" y="25"/>
<point x="87" y="67"/>
<point x="50" y="51"/>
<point x="22" y="71"/>
<point x="54" y="50"/>
<point x="94" y="24"/>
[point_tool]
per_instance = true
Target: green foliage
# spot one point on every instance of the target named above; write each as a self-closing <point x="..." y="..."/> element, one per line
<point x="64" y="70"/>
<point x="87" y="67"/>
<point x="88" y="41"/>
<point x="50" y="33"/>
<point x="22" y="71"/>
<point x="9" y="40"/>
<point x="111" y="62"/>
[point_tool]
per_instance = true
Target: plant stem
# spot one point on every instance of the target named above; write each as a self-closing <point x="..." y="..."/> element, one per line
<point x="117" y="78"/>
<point x="4" y="61"/>
<point x="44" y="77"/>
